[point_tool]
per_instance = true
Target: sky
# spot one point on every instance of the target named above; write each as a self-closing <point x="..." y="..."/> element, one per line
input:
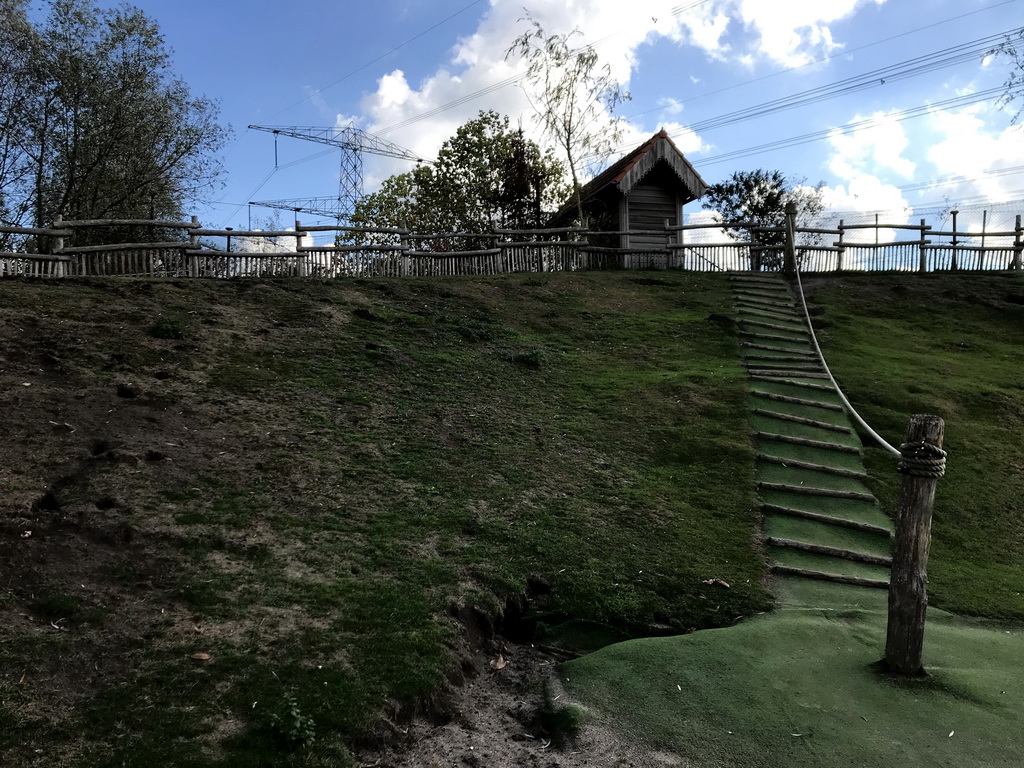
<point x="897" y="109"/>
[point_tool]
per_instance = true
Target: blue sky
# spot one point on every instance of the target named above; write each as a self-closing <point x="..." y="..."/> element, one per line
<point x="687" y="63"/>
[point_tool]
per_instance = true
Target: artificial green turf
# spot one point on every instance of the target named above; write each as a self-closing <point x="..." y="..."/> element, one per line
<point x="801" y="687"/>
<point x="813" y="532"/>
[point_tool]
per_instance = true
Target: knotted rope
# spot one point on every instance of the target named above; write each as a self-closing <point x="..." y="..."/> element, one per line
<point x="922" y="460"/>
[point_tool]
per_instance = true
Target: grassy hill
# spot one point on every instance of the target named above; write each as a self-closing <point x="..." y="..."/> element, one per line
<point x="262" y="523"/>
<point x="310" y="482"/>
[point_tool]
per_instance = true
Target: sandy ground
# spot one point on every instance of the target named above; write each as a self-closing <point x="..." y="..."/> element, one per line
<point x="493" y="723"/>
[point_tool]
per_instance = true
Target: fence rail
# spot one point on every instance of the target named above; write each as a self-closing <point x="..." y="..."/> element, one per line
<point x="393" y="252"/>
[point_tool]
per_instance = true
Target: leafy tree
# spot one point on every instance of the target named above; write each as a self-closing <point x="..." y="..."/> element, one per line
<point x="102" y="127"/>
<point x="573" y="95"/>
<point x="759" y="198"/>
<point x="485" y="176"/>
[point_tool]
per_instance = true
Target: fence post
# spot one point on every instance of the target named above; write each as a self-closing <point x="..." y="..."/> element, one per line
<point x="981" y="253"/>
<point x="922" y="463"/>
<point x="60" y="267"/>
<point x="789" y="267"/>
<point x="193" y="244"/>
<point x="923" y="266"/>
<point x="954" y="264"/>
<point x="405" y="243"/>
<point x="841" y="247"/>
<point x="303" y="266"/>
<point x="1018" y="244"/>
<point x="668" y="245"/>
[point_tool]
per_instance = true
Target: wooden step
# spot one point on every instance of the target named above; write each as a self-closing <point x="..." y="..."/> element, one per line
<point x="776" y="298"/>
<point x="837" y="471"/>
<point x="767" y="360"/>
<point x="769" y="277"/>
<point x="791" y="317"/>
<point x="774" y="337"/>
<point x="804" y="384"/>
<point x="761" y="287"/>
<point x="806" y="441"/>
<point x="828" y="493"/>
<point x="756" y="303"/>
<point x="770" y="348"/>
<point x="774" y="326"/>
<point x="768" y="364"/>
<point x="797" y="401"/>
<point x="859" y="581"/>
<point x="842" y="522"/>
<point x="785" y="373"/>
<point x="801" y="420"/>
<point x="821" y="549"/>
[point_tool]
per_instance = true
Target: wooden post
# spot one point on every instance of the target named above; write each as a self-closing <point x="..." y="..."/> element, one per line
<point x="790" y="263"/>
<point x="922" y="464"/>
<point x="755" y="253"/>
<point x="668" y="245"/>
<point x="923" y="266"/>
<point x="953" y="265"/>
<point x="193" y="245"/>
<point x="1018" y="244"/>
<point x="841" y="247"/>
<point x="981" y="253"/>
<point x="58" y="246"/>
<point x="403" y="240"/>
<point x="303" y="263"/>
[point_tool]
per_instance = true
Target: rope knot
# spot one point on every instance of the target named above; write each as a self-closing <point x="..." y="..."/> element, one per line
<point x="922" y="460"/>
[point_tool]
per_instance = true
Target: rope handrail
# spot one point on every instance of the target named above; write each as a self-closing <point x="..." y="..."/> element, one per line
<point x="821" y="357"/>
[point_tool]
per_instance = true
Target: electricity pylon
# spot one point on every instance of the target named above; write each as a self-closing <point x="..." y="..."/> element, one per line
<point x="352" y="142"/>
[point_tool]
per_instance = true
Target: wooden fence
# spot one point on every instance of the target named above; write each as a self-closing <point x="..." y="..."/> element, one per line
<point x="368" y="252"/>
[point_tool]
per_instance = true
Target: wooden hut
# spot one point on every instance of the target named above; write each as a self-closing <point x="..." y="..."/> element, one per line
<point x="641" y="191"/>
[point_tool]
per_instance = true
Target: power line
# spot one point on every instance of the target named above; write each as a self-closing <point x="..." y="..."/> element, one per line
<point x="357" y="70"/>
<point x="857" y="125"/>
<point x="920" y="185"/>
<point x="875" y="78"/>
<point x="676" y="11"/>
<point x="844" y="52"/>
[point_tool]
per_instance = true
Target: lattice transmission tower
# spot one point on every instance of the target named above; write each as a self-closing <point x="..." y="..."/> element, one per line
<point x="352" y="142"/>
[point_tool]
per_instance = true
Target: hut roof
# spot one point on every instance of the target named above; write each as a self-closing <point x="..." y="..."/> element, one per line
<point x="630" y="169"/>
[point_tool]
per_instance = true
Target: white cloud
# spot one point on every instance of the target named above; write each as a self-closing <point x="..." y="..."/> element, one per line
<point x="970" y="148"/>
<point x="797" y="31"/>
<point x="670" y="106"/>
<point x="735" y="29"/>
<point x="877" y="147"/>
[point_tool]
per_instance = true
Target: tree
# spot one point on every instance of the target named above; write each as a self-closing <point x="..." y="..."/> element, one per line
<point x="485" y="176"/>
<point x="15" y="97"/>
<point x="759" y="198"/>
<point x="104" y="129"/>
<point x="574" y="97"/>
<point x="1012" y="48"/>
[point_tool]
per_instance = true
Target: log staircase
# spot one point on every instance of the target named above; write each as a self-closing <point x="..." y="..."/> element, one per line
<point x="820" y="521"/>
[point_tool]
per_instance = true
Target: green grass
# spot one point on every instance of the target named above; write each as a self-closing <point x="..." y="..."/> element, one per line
<point x="947" y="345"/>
<point x="347" y="460"/>
<point x="313" y="473"/>
<point x="803" y="687"/>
